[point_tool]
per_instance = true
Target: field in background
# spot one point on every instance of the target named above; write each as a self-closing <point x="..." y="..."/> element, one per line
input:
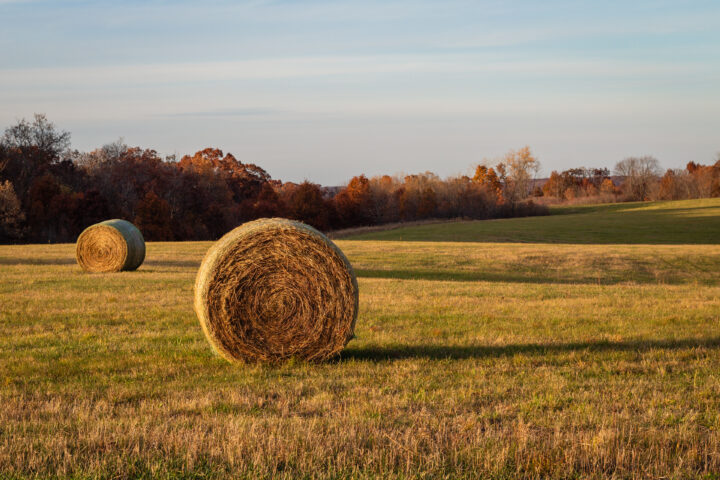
<point x="679" y="222"/>
<point x="594" y="351"/>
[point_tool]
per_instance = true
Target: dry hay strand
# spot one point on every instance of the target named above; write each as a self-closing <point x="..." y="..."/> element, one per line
<point x="110" y="246"/>
<point x="274" y="289"/>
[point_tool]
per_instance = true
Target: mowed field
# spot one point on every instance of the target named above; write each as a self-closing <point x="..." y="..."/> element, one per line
<point x="581" y="345"/>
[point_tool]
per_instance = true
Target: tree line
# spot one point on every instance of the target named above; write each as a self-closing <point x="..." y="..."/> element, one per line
<point x="50" y="193"/>
<point x="636" y="179"/>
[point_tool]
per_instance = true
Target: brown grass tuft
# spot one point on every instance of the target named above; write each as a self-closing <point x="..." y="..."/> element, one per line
<point x="110" y="246"/>
<point x="273" y="289"/>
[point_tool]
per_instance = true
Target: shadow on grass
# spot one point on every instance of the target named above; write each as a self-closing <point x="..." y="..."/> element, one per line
<point x="72" y="261"/>
<point x="173" y="263"/>
<point x="459" y="352"/>
<point x="597" y="225"/>
<point x="639" y="275"/>
<point x="37" y="261"/>
<point x="627" y="207"/>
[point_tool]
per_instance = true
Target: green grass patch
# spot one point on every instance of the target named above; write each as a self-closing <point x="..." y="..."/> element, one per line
<point x="689" y="222"/>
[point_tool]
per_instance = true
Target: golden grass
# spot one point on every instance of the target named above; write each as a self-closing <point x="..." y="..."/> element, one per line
<point x="471" y="360"/>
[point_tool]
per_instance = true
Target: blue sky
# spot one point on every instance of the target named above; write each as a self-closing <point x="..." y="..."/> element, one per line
<point x="324" y="90"/>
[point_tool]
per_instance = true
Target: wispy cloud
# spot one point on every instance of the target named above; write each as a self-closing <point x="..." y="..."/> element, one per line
<point x="284" y="68"/>
<point x="388" y="85"/>
<point x="235" y="112"/>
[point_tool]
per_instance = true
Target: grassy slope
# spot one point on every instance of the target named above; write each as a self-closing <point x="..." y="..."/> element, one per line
<point x="506" y="359"/>
<point x="680" y="222"/>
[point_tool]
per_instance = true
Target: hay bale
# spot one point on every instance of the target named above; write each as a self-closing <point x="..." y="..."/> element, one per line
<point x="272" y="289"/>
<point x="110" y="246"/>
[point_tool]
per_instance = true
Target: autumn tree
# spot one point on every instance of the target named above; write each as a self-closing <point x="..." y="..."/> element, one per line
<point x="607" y="187"/>
<point x="463" y="197"/>
<point x="153" y="217"/>
<point x="244" y="180"/>
<point x="575" y="182"/>
<point x="100" y="158"/>
<point x="35" y="157"/>
<point x="383" y="206"/>
<point x="94" y="207"/>
<point x="53" y="211"/>
<point x="127" y="176"/>
<point x="427" y="203"/>
<point x="39" y="134"/>
<point x="11" y="214"/>
<point x="305" y="202"/>
<point x="705" y="179"/>
<point x="28" y="150"/>
<point x="486" y="176"/>
<point x="522" y="168"/>
<point x="266" y="204"/>
<point x="555" y="185"/>
<point x="417" y="198"/>
<point x="639" y="175"/>
<point x="353" y="203"/>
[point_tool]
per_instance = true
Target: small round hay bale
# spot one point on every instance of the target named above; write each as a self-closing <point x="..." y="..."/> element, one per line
<point x="110" y="246"/>
<point x="273" y="289"/>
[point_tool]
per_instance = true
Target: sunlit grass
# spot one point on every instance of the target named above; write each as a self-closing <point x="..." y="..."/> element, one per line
<point x="471" y="359"/>
<point x="678" y="222"/>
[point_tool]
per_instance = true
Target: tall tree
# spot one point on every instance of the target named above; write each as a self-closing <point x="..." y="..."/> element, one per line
<point x="153" y="217"/>
<point x="27" y="150"/>
<point x="353" y="203"/>
<point x="306" y="203"/>
<point x="11" y="213"/>
<point x="639" y="175"/>
<point x="244" y="180"/>
<point x="522" y="168"/>
<point x="40" y="134"/>
<point x="486" y="176"/>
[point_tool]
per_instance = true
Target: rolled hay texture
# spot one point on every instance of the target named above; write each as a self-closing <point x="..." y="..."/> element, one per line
<point x="110" y="246"/>
<point x="273" y="289"/>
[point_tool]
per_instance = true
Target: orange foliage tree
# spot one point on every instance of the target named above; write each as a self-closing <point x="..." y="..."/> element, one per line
<point x="487" y="177"/>
<point x="353" y="203"/>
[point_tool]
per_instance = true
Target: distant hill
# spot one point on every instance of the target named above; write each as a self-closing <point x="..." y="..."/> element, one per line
<point x="673" y="222"/>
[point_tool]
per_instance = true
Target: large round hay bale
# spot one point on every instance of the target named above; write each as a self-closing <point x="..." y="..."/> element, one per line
<point x="110" y="246"/>
<point x="273" y="289"/>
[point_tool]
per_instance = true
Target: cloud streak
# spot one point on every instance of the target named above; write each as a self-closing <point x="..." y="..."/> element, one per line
<point x="288" y="68"/>
<point x="236" y="112"/>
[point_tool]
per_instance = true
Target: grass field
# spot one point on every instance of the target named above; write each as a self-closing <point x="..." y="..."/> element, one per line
<point x="580" y="345"/>
<point x="680" y="222"/>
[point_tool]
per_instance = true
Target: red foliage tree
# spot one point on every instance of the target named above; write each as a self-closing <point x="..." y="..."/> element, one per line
<point x="244" y="180"/>
<point x="306" y="203"/>
<point x="267" y="204"/>
<point x="353" y="203"/>
<point x="153" y="217"/>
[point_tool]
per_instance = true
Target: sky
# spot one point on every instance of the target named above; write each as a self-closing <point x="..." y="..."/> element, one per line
<point x="325" y="90"/>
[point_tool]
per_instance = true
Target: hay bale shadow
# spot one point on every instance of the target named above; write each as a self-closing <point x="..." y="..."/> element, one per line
<point x="37" y="261"/>
<point x="460" y="352"/>
<point x="174" y="263"/>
